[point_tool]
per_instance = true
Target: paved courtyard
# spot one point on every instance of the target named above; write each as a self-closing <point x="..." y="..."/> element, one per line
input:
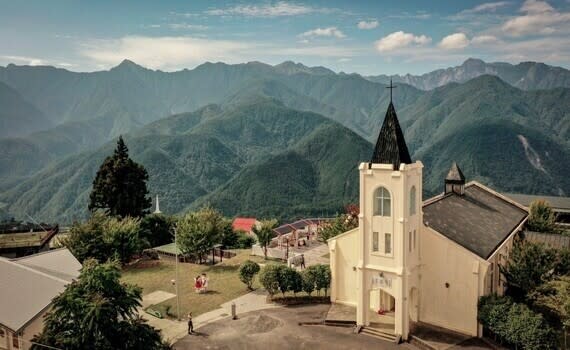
<point x="279" y="328"/>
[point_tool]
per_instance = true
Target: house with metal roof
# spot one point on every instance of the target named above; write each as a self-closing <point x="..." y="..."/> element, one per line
<point x="27" y="288"/>
<point x="412" y="262"/>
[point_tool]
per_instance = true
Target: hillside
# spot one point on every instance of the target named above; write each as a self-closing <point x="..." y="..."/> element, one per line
<point x="18" y="116"/>
<point x="525" y="75"/>
<point x="192" y="155"/>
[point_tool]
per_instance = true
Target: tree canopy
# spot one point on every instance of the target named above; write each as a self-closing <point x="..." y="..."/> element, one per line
<point x="120" y="187"/>
<point x="198" y="232"/>
<point x="98" y="312"/>
<point x="264" y="234"/>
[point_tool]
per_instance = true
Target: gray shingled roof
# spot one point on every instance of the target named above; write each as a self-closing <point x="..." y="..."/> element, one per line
<point x="391" y="146"/>
<point x="29" y="285"/>
<point x="479" y="220"/>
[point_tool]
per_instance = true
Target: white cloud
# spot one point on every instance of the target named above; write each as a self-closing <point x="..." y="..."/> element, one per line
<point x="344" y="60"/>
<point x="329" y="31"/>
<point x="487" y="7"/>
<point x="539" y="18"/>
<point x="281" y="8"/>
<point x="163" y="52"/>
<point x="484" y="40"/>
<point x="187" y="26"/>
<point x="365" y="25"/>
<point x="407" y="15"/>
<point x="454" y="41"/>
<point x="398" y="40"/>
<point x="31" y="61"/>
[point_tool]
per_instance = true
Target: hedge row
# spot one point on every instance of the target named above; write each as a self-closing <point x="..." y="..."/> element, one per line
<point x="280" y="278"/>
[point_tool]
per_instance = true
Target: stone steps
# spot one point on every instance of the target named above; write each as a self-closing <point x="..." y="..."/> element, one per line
<point x="377" y="333"/>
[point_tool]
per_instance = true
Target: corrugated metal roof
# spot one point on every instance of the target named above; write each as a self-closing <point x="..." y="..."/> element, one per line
<point x="558" y="203"/>
<point x="29" y="285"/>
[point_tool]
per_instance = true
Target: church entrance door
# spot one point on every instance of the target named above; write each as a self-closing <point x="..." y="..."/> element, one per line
<point x="381" y="311"/>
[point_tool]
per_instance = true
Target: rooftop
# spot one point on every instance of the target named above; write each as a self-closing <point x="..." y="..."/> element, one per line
<point x="29" y="285"/>
<point x="391" y="146"/>
<point x="480" y="220"/>
<point x="561" y="204"/>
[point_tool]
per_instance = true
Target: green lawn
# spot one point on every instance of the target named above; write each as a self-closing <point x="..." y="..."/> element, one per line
<point x="223" y="283"/>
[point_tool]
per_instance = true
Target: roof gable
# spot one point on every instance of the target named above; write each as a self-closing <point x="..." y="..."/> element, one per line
<point x="480" y="220"/>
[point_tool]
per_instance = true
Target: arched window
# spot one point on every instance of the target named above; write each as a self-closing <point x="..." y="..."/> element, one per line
<point x="413" y="200"/>
<point x="382" y="202"/>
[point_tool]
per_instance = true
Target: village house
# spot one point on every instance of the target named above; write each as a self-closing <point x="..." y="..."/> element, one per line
<point x="246" y="225"/>
<point x="413" y="262"/>
<point x="28" y="286"/>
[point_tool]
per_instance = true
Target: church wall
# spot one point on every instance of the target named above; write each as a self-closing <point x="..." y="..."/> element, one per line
<point x="344" y="258"/>
<point x="451" y="282"/>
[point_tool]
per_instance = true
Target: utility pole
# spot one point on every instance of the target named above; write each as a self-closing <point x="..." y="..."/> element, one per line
<point x="177" y="280"/>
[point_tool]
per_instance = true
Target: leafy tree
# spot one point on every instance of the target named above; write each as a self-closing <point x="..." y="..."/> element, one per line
<point x="122" y="238"/>
<point x="199" y="231"/>
<point x="119" y="187"/>
<point x="103" y="238"/>
<point x="158" y="229"/>
<point x="247" y="272"/>
<point x="245" y="241"/>
<point x="342" y="223"/>
<point x="86" y="241"/>
<point x="515" y="323"/>
<point x="308" y="279"/>
<point x="264" y="234"/>
<point x="229" y="236"/>
<point x="321" y="275"/>
<point x="530" y="264"/>
<point x="541" y="217"/>
<point x="288" y="280"/>
<point x="98" y="312"/>
<point x="269" y="278"/>
<point x="555" y="296"/>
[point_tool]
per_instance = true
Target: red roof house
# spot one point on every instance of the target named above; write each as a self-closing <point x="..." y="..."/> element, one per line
<point x="245" y="224"/>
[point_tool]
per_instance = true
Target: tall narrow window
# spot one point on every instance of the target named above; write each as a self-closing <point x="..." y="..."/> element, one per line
<point x="374" y="241"/>
<point x="387" y="243"/>
<point x="414" y="239"/>
<point x="382" y="202"/>
<point x="413" y="200"/>
<point x="15" y="341"/>
<point x="410" y="241"/>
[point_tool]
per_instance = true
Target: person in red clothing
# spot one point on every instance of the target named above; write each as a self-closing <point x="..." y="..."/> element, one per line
<point x="198" y="284"/>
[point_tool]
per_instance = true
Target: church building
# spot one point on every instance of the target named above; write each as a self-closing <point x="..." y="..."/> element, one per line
<point x="412" y="261"/>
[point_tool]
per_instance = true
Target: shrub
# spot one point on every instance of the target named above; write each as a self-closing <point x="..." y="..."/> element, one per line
<point x="247" y="272"/>
<point x="321" y="275"/>
<point x="308" y="279"/>
<point x="269" y="278"/>
<point x="290" y="280"/>
<point x="515" y="323"/>
<point x="541" y="217"/>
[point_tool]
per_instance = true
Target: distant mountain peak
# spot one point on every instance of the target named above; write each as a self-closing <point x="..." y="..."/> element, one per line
<point x="128" y="64"/>
<point x="290" y="67"/>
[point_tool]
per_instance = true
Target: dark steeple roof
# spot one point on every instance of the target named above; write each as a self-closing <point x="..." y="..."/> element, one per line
<point x="391" y="147"/>
<point x="455" y="175"/>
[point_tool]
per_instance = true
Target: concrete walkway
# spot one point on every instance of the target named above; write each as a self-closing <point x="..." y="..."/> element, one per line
<point x="173" y="330"/>
<point x="314" y="253"/>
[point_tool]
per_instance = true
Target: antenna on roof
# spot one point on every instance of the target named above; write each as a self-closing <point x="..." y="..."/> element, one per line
<point x="37" y="223"/>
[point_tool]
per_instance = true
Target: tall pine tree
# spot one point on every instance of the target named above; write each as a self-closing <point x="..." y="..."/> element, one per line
<point x="120" y="185"/>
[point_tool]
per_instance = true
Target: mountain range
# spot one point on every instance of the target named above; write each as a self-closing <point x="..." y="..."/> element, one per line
<point x="262" y="140"/>
<point x="525" y="75"/>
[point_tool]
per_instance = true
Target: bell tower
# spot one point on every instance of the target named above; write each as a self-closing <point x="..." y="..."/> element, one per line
<point x="389" y="227"/>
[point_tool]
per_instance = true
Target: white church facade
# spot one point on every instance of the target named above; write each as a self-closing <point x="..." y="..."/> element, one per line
<point x="413" y="261"/>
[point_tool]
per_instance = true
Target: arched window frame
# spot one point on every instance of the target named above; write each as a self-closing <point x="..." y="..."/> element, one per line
<point x="382" y="202"/>
<point x="413" y="200"/>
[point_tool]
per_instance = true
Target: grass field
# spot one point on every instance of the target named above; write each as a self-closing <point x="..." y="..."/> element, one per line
<point x="223" y="283"/>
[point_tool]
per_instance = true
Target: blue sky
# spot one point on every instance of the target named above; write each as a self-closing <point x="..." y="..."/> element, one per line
<point x="367" y="37"/>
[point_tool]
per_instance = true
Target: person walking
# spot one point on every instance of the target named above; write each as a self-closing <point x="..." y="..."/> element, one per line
<point x="302" y="261"/>
<point x="190" y="324"/>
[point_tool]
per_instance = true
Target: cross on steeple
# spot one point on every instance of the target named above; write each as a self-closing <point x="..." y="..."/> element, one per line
<point x="391" y="87"/>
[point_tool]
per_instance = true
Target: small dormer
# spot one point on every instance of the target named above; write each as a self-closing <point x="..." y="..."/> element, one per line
<point x="455" y="181"/>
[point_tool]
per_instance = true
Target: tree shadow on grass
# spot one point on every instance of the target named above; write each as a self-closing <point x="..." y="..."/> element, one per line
<point x="222" y="268"/>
